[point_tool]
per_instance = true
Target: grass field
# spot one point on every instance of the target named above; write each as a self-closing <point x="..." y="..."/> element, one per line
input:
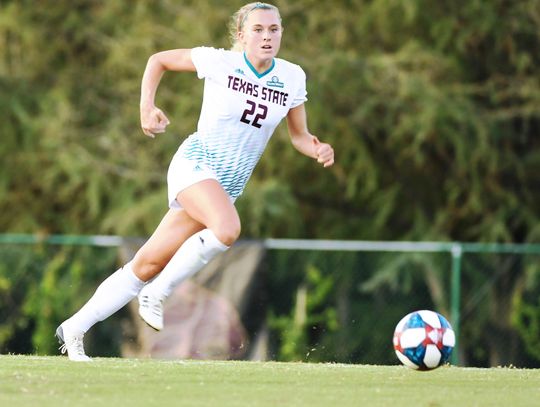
<point x="54" y="381"/>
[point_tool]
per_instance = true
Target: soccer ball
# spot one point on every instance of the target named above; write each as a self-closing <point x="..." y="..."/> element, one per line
<point x="423" y="340"/>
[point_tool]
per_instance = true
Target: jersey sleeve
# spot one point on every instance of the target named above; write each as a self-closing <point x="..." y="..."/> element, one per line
<point x="204" y="59"/>
<point x="301" y="93"/>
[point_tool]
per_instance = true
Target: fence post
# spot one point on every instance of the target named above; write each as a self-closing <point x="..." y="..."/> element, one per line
<point x="457" y="252"/>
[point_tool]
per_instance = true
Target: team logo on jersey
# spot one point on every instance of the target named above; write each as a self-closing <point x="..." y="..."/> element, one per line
<point x="274" y="82"/>
<point x="197" y="168"/>
<point x="239" y="71"/>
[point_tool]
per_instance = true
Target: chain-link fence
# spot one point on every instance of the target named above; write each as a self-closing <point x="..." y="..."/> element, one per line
<point x="331" y="301"/>
<point x="351" y="295"/>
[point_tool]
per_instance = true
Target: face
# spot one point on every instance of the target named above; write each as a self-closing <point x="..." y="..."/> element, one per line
<point x="261" y="34"/>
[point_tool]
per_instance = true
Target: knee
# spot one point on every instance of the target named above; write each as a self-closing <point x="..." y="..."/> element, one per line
<point x="227" y="232"/>
<point x="144" y="267"/>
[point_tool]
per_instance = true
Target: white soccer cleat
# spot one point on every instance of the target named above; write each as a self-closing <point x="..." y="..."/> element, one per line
<point x="151" y="310"/>
<point x="72" y="343"/>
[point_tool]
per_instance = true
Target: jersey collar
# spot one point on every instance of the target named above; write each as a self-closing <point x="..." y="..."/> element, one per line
<point x="257" y="74"/>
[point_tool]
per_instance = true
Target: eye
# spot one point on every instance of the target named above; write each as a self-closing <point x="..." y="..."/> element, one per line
<point x="258" y="30"/>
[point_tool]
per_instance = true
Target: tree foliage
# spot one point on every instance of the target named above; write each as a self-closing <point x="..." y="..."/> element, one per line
<point x="433" y="109"/>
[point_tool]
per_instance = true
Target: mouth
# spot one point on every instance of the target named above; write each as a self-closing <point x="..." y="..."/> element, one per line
<point x="267" y="47"/>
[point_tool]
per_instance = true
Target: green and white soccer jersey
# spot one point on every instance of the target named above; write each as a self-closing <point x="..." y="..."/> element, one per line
<point x="241" y="109"/>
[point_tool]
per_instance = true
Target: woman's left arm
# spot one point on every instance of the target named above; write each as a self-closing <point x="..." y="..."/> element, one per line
<point x="304" y="141"/>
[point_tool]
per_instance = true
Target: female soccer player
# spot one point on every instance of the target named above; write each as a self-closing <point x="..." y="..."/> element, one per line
<point x="247" y="92"/>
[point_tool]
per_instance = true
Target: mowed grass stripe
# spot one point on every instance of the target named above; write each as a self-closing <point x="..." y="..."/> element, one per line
<point x="54" y="381"/>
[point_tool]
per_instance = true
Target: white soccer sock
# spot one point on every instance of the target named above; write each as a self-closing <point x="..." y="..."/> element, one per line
<point x="111" y="295"/>
<point x="192" y="256"/>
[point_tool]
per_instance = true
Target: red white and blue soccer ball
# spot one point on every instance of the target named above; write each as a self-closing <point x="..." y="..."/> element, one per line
<point x="424" y="340"/>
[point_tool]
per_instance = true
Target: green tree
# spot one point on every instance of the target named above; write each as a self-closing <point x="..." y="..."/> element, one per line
<point x="433" y="109"/>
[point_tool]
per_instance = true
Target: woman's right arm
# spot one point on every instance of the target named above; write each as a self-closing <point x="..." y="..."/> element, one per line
<point x="153" y="120"/>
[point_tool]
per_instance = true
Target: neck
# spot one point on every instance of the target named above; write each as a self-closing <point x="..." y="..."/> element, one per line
<point x="260" y="65"/>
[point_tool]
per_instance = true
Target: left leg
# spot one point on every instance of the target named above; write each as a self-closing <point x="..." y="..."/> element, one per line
<point x="207" y="203"/>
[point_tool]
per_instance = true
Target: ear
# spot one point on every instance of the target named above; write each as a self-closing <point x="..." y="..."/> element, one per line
<point x="240" y="36"/>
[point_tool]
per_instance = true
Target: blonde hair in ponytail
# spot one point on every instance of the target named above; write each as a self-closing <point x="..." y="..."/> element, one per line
<point x="238" y="19"/>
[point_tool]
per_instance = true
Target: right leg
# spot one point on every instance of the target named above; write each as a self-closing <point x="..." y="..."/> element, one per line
<point x="174" y="229"/>
<point x="123" y="285"/>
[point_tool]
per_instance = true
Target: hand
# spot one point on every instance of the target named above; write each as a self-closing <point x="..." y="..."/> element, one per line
<point x="324" y="153"/>
<point x="153" y="121"/>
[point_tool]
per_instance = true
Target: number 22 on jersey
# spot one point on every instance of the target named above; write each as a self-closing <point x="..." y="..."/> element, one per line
<point x="253" y="113"/>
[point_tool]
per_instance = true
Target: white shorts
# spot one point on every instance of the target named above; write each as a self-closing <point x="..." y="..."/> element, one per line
<point x="184" y="173"/>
